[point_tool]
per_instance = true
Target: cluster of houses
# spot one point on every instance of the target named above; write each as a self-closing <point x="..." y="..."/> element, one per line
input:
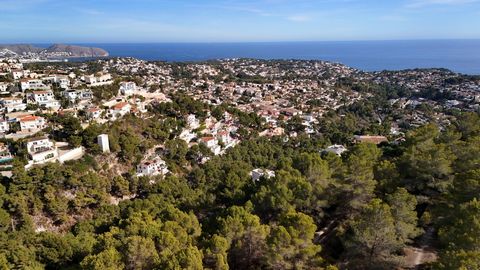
<point x="273" y="95"/>
<point x="215" y="134"/>
<point x="28" y="95"/>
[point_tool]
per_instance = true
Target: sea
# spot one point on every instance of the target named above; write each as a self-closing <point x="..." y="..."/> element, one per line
<point x="462" y="56"/>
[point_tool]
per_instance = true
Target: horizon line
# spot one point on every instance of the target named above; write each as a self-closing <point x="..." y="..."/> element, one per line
<point x="236" y="42"/>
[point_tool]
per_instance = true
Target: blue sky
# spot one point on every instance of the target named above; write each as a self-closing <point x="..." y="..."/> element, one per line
<point x="235" y="20"/>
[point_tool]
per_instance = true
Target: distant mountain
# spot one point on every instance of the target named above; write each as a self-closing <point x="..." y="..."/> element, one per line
<point x="77" y="51"/>
<point x="54" y="50"/>
<point x="21" y="48"/>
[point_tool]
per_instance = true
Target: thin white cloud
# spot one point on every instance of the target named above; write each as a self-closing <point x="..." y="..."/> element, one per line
<point x="424" y="3"/>
<point x="299" y="18"/>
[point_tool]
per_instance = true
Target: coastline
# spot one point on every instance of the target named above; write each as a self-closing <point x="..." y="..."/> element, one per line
<point x="460" y="56"/>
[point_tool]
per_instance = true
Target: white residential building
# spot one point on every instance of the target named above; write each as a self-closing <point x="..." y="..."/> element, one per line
<point x="156" y="166"/>
<point x="62" y="80"/>
<point x="17" y="74"/>
<point x="44" y="99"/>
<point x="224" y="137"/>
<point x="94" y="113"/>
<point x="212" y="144"/>
<point x="192" y="122"/>
<point x="336" y="149"/>
<point x="32" y="123"/>
<point x="77" y="95"/>
<point x="98" y="80"/>
<point x="42" y="150"/>
<point x="4" y="126"/>
<point x="120" y="109"/>
<point x="187" y="136"/>
<point x="11" y="104"/>
<point x="32" y="84"/>
<point x="3" y="86"/>
<point x="257" y="174"/>
<point x="127" y="88"/>
<point x="71" y="95"/>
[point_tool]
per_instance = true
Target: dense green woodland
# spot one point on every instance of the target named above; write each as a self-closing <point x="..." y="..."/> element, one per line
<point x="373" y="202"/>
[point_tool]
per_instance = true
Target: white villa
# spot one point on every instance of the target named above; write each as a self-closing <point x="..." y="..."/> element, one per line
<point x="17" y="74"/>
<point x="127" y="88"/>
<point x="257" y="174"/>
<point x="32" y="84"/>
<point x="11" y="104"/>
<point x="74" y="95"/>
<point x="42" y="150"/>
<point x="336" y="149"/>
<point x="120" y="109"/>
<point x="94" y="113"/>
<point x="187" y="135"/>
<point x="32" y="123"/>
<point x="44" y="98"/>
<point x="212" y="144"/>
<point x="62" y="80"/>
<point x="3" y="87"/>
<point x="98" y="80"/>
<point x="156" y="166"/>
<point x="226" y="139"/>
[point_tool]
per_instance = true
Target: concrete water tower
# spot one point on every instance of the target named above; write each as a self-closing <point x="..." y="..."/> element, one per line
<point x="104" y="143"/>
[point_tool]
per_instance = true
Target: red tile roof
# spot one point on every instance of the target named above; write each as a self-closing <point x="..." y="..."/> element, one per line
<point x="207" y="139"/>
<point x="120" y="105"/>
<point x="93" y="110"/>
<point x="30" y="118"/>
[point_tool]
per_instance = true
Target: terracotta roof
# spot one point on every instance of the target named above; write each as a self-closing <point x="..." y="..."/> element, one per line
<point x="207" y="139"/>
<point x="120" y="105"/>
<point x="30" y="118"/>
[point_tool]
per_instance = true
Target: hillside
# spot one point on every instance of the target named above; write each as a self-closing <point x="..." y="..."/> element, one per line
<point x="55" y="50"/>
<point x="77" y="51"/>
<point x="21" y="48"/>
